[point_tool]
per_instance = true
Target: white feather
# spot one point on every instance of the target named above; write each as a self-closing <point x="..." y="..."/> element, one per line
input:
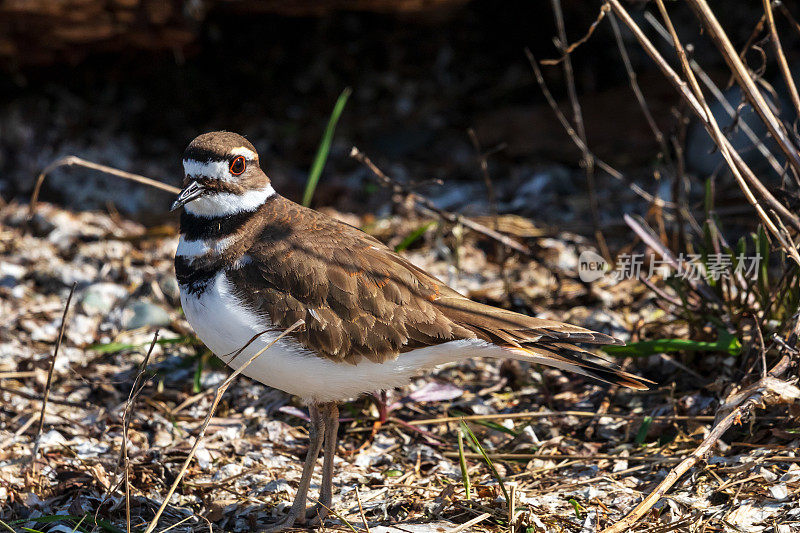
<point x="210" y="169"/>
<point x="221" y="204"/>
<point x="225" y="324"/>
<point x="197" y="248"/>
<point x="246" y="152"/>
<point x="191" y="248"/>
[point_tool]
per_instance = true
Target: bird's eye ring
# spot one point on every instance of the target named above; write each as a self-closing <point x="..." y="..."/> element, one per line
<point x="238" y="165"/>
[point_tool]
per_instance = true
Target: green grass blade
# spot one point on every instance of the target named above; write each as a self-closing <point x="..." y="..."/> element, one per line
<point x="6" y="527"/>
<point x="488" y="423"/>
<point x="78" y="525"/>
<point x="643" y="429"/>
<point x="468" y="433"/>
<point x="324" y="147"/>
<point x="412" y="237"/>
<point x="725" y="343"/>
<point x="577" y="507"/>
<point x="197" y="384"/>
<point x="462" y="461"/>
<point x="114" y="347"/>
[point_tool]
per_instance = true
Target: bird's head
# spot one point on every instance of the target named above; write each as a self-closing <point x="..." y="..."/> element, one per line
<point x="222" y="176"/>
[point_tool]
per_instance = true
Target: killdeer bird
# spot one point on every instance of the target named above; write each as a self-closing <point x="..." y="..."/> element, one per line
<point x="251" y="263"/>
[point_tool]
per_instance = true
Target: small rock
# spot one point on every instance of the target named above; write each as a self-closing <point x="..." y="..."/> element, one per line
<point x="10" y="274"/>
<point x="228" y="470"/>
<point x="101" y="297"/>
<point x="162" y="439"/>
<point x="278" y="485"/>
<point x="203" y="457"/>
<point x="779" y="491"/>
<point x="169" y="286"/>
<point x="146" y="314"/>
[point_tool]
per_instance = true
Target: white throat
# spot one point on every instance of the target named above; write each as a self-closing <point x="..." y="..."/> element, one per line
<point x="221" y="204"/>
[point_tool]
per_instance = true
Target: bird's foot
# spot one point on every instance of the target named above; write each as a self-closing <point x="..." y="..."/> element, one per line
<point x="316" y="515"/>
<point x="286" y="522"/>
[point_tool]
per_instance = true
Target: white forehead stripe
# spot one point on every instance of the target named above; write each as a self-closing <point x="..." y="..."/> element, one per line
<point x="246" y="152"/>
<point x="212" y="169"/>
<point x="222" y="204"/>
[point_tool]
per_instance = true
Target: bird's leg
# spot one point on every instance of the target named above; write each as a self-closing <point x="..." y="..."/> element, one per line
<point x="316" y="435"/>
<point x="330" y="414"/>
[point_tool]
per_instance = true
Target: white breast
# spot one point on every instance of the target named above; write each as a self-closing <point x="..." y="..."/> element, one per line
<point x="225" y="324"/>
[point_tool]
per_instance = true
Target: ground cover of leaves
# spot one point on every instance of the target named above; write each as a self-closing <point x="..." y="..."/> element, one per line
<point x="595" y="454"/>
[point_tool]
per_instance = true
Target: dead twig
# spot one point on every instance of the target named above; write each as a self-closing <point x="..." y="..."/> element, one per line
<point x="753" y="94"/>
<point x="577" y="118"/>
<point x="217" y="397"/>
<point x="604" y="9"/>
<point x="36" y="440"/>
<point x="721" y="140"/>
<point x="681" y="86"/>
<point x="776" y="43"/>
<point x="361" y="511"/>
<point x="637" y="90"/>
<point x="138" y="385"/>
<point x="562" y="119"/>
<point x="555" y="414"/>
<point x="429" y="206"/>
<point x="721" y="99"/>
<point x="744" y="403"/>
<point x="72" y="160"/>
<point x="466" y="525"/>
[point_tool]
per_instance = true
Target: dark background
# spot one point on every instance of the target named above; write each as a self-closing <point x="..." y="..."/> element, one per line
<point x="420" y="78"/>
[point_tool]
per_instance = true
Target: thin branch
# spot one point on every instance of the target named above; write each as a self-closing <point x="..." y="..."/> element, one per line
<point x="218" y="396"/>
<point x="776" y="43"/>
<point x="399" y="188"/>
<point x="361" y="511"/>
<point x="611" y="171"/>
<point x="136" y="389"/>
<point x="680" y="85"/>
<point x="720" y="38"/>
<point x="637" y="91"/>
<point x="566" y="50"/>
<point x="49" y="383"/>
<point x="72" y="160"/>
<point x="723" y="101"/>
<point x="577" y="118"/>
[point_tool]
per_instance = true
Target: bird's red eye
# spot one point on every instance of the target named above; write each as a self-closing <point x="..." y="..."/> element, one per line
<point x="238" y="165"/>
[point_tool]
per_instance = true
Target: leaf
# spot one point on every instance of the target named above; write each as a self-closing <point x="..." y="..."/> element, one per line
<point x="197" y="384"/>
<point x="324" y="147"/>
<point x="436" y="392"/>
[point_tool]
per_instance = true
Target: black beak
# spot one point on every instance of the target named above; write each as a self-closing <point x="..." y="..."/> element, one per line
<point x="192" y="191"/>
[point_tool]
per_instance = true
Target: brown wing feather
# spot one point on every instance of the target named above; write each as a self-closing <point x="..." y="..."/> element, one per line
<point x="359" y="299"/>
